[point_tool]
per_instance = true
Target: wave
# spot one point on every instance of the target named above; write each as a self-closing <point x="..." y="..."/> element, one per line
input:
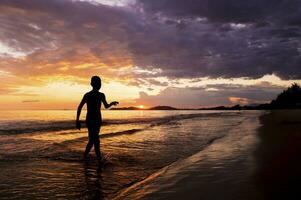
<point x="61" y="151"/>
<point x="21" y="127"/>
<point x="132" y="189"/>
<point x="218" y="153"/>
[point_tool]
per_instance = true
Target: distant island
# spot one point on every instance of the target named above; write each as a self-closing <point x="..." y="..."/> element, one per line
<point x="152" y="108"/>
<point x="127" y="108"/>
<point x="288" y="99"/>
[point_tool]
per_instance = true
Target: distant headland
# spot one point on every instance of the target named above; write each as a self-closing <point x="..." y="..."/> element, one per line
<point x="152" y="108"/>
<point x="288" y="99"/>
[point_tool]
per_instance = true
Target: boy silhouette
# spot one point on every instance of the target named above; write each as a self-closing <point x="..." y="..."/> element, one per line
<point x="93" y="99"/>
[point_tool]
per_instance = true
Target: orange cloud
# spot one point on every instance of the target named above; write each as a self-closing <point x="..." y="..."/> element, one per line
<point x="239" y="100"/>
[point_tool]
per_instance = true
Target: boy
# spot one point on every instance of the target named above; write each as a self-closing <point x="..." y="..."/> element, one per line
<point x="93" y="99"/>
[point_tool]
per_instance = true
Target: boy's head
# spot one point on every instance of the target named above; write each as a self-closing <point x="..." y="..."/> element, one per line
<point x="96" y="82"/>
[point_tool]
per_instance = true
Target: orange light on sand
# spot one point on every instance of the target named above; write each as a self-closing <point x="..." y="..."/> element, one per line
<point x="141" y="106"/>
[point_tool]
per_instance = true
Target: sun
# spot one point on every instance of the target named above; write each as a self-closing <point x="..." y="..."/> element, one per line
<point x="141" y="106"/>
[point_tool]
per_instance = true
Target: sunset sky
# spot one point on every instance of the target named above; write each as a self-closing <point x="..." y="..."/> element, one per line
<point x="187" y="54"/>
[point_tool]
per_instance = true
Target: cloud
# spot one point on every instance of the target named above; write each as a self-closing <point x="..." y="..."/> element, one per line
<point x="139" y="43"/>
<point x="184" y="40"/>
<point x="226" y="94"/>
<point x="235" y="11"/>
<point x="239" y="100"/>
<point x="228" y="38"/>
<point x="59" y="36"/>
<point x="30" y="101"/>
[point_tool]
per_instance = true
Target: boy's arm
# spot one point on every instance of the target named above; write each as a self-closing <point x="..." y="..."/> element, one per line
<point x="79" y="109"/>
<point x="105" y="103"/>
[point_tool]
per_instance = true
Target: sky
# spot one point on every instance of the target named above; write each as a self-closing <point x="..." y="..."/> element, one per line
<point x="187" y="54"/>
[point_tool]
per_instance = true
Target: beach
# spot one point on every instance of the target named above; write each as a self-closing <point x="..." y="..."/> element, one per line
<point x="264" y="165"/>
<point x="152" y="155"/>
<point x="278" y="155"/>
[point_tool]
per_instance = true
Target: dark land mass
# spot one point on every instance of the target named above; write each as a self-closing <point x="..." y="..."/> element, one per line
<point x="152" y="108"/>
<point x="163" y="108"/>
<point x="127" y="108"/>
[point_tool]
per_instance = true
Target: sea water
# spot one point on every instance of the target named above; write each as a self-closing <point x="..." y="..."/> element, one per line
<point x="41" y="151"/>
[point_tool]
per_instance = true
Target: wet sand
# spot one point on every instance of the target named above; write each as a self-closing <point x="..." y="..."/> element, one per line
<point x="260" y="159"/>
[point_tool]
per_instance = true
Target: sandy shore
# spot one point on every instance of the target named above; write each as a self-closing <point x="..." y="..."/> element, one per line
<point x="278" y="155"/>
<point x="260" y="159"/>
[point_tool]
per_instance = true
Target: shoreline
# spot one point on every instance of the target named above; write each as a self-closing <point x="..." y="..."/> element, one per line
<point x="219" y="167"/>
<point x="269" y="164"/>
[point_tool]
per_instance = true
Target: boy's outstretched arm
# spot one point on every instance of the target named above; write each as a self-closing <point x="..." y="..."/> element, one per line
<point x="105" y="103"/>
<point x="79" y="109"/>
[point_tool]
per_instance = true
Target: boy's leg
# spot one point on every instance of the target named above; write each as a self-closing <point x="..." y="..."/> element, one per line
<point x="90" y="142"/>
<point x="97" y="148"/>
<point x="94" y="138"/>
<point x="97" y="143"/>
<point x="88" y="148"/>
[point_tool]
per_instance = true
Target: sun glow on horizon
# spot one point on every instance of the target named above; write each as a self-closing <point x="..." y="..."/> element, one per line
<point x="141" y="106"/>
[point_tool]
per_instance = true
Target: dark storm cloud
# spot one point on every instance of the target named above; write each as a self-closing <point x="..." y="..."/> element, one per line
<point x="235" y="11"/>
<point x="184" y="40"/>
<point x="231" y="38"/>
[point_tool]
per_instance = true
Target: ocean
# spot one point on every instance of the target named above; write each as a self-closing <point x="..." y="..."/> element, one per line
<point x="41" y="151"/>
